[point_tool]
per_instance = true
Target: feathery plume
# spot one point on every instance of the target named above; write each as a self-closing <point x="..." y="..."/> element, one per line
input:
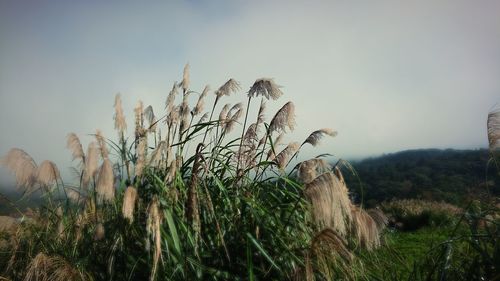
<point x="129" y="203"/>
<point x="153" y="226"/>
<point x="169" y="104"/>
<point x="200" y="104"/>
<point x="314" y="138"/>
<point x="333" y="241"/>
<point x="285" y="117"/>
<point x="102" y="144"/>
<point x="74" y="195"/>
<point x="184" y="113"/>
<point x="309" y="169"/>
<point x="173" y="116"/>
<point x="279" y="140"/>
<point x="23" y="166"/>
<point x="223" y="114"/>
<point x="251" y="134"/>
<point x="91" y="163"/>
<point x="493" y="125"/>
<point x="379" y="217"/>
<point x="60" y="225"/>
<point x="151" y="118"/>
<point x="330" y="202"/>
<point x="260" y="115"/>
<point x="105" y="181"/>
<point x="138" y="110"/>
<point x="74" y="144"/>
<point x="265" y="87"/>
<point x="120" y="124"/>
<point x="364" y="228"/>
<point x="47" y="173"/>
<point x="172" y="170"/>
<point x="231" y="86"/>
<point x="157" y="154"/>
<point x="141" y="156"/>
<point x="284" y="156"/>
<point x="233" y="115"/>
<point x="185" y="78"/>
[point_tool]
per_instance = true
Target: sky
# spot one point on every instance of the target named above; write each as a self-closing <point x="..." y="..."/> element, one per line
<point x="387" y="75"/>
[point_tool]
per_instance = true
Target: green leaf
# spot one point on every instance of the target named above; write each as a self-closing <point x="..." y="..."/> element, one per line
<point x="262" y="251"/>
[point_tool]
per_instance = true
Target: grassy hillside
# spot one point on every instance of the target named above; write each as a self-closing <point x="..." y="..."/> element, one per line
<point x="453" y="176"/>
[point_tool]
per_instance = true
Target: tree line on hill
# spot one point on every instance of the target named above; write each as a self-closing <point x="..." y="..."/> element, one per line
<point x="453" y="176"/>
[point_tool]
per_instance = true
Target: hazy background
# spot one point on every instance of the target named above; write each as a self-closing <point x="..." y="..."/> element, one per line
<point x="388" y="75"/>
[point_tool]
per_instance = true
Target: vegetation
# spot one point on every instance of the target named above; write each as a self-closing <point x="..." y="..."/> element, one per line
<point x="413" y="214"/>
<point x="452" y="176"/>
<point x="185" y="199"/>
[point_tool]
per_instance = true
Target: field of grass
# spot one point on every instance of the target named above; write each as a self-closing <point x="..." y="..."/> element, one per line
<point x="213" y="195"/>
<point x="191" y="195"/>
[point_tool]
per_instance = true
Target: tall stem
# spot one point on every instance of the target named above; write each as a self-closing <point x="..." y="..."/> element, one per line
<point x="210" y="119"/>
<point x="242" y="135"/>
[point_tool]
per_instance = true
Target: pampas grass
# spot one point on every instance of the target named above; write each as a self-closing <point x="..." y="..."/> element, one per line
<point x="153" y="226"/>
<point x="284" y="156"/>
<point x="47" y="173"/>
<point x="265" y="87"/>
<point x="493" y="125"/>
<point x="169" y="103"/>
<point x="105" y="188"/>
<point x="141" y="156"/>
<point x="91" y="163"/>
<point x="224" y="212"/>
<point x="231" y="86"/>
<point x="200" y="104"/>
<point x="308" y="170"/>
<point x="330" y="202"/>
<point x="285" y="117"/>
<point x="119" y="117"/>
<point x="53" y="268"/>
<point x="75" y="146"/>
<point x="364" y="228"/>
<point x="232" y="117"/>
<point x="185" y="78"/>
<point x="102" y="144"/>
<point x="23" y="166"/>
<point x="128" y="206"/>
<point x="314" y="138"/>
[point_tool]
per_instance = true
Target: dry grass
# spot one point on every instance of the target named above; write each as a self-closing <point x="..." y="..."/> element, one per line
<point x="364" y="228"/>
<point x="47" y="173"/>
<point x="316" y="136"/>
<point x="128" y="206"/>
<point x="330" y="203"/>
<point x="53" y="268"/>
<point x="265" y="87"/>
<point x="415" y="207"/>
<point x="105" y="182"/>
<point x="23" y="166"/>
<point x="285" y="117"/>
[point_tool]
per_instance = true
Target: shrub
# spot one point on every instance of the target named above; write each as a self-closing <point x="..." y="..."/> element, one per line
<point x="412" y="214"/>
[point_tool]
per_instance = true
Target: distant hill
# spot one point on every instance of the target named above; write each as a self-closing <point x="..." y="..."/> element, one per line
<point x="454" y="176"/>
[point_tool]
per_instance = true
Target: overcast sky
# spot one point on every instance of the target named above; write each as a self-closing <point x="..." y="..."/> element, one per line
<point x="387" y="75"/>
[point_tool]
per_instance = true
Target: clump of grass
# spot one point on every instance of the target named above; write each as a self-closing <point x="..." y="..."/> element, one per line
<point x="184" y="198"/>
<point x="411" y="214"/>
